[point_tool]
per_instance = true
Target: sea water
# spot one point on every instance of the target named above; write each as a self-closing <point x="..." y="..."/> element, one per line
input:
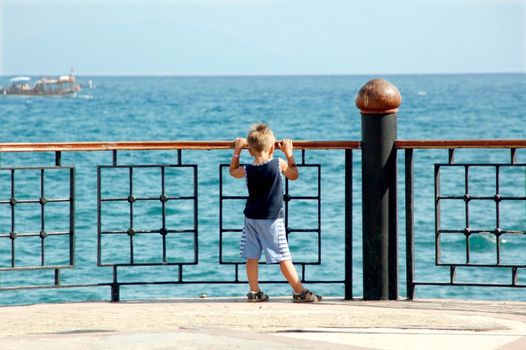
<point x="222" y="108"/>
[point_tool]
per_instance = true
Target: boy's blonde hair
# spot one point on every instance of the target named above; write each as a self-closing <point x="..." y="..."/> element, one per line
<point x="260" y="138"/>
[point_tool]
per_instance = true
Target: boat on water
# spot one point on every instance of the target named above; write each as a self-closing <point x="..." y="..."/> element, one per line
<point x="62" y="86"/>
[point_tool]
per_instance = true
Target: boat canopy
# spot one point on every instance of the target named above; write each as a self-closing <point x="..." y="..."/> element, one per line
<point x="19" y="79"/>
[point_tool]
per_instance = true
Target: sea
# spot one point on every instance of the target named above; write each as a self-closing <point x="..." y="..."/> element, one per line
<point x="176" y="108"/>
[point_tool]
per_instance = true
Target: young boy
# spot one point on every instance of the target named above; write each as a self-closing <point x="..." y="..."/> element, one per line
<point x="264" y="228"/>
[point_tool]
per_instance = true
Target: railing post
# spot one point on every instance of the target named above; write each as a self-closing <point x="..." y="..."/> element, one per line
<point x="378" y="101"/>
<point x="115" y="287"/>
<point x="348" y="225"/>
<point x="409" y="225"/>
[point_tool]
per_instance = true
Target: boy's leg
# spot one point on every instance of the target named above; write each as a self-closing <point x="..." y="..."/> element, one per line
<point x="252" y="274"/>
<point x="289" y="271"/>
<point x="250" y="248"/>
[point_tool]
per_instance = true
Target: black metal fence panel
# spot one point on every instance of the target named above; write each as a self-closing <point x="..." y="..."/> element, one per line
<point x="290" y="197"/>
<point x="157" y="206"/>
<point x="49" y="242"/>
<point x="473" y="202"/>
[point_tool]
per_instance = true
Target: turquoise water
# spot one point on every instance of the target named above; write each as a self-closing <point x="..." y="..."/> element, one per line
<point x="222" y="108"/>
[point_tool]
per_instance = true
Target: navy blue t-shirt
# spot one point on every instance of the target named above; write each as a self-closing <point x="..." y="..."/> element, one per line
<point x="265" y="190"/>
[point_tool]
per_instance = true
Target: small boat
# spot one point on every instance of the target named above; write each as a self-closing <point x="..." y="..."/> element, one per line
<point x="62" y="86"/>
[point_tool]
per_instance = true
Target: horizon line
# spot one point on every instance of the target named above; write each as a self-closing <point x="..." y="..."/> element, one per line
<point x="248" y="75"/>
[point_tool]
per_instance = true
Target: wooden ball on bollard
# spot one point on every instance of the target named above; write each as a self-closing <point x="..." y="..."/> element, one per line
<point x="378" y="96"/>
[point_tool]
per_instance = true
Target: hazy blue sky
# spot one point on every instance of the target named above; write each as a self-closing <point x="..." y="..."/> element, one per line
<point x="217" y="37"/>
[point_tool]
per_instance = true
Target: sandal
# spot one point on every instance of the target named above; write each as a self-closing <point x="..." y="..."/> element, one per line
<point x="256" y="297"/>
<point x="305" y="297"/>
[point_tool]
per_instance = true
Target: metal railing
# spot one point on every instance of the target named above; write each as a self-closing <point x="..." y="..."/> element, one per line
<point x="42" y="200"/>
<point x="469" y="228"/>
<point x="163" y="199"/>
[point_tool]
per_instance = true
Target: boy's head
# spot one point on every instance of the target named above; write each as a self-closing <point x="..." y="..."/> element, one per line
<point x="260" y="139"/>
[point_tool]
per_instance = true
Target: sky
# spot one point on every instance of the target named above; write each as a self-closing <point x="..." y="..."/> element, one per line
<point x="261" y="37"/>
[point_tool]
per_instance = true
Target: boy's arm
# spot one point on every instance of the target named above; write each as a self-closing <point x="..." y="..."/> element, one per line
<point x="289" y="168"/>
<point x="235" y="170"/>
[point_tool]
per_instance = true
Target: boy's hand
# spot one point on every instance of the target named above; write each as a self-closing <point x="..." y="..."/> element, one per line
<point x="235" y="170"/>
<point x="289" y="168"/>
<point x="239" y="144"/>
<point x="286" y="147"/>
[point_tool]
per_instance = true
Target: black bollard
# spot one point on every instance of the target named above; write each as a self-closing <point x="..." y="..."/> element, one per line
<point x="378" y="101"/>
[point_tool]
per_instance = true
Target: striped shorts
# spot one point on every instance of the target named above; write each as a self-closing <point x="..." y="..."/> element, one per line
<point x="264" y="235"/>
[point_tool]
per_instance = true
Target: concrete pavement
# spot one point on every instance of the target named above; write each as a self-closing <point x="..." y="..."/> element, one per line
<point x="279" y="324"/>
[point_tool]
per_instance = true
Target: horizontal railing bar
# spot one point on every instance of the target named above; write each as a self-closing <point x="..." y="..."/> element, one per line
<point x="156" y="145"/>
<point x="290" y="197"/>
<point x="501" y="232"/>
<point x="470" y="265"/>
<point x="118" y="232"/>
<point x="37" y="267"/>
<point x="305" y="197"/>
<point x="63" y="286"/>
<point x="211" y="145"/>
<point x="36" y="201"/>
<point x="53" y="286"/>
<point x="146" y="264"/>
<point x="304" y="229"/>
<point x="478" y="165"/>
<point x="147" y="166"/>
<point x="502" y="198"/>
<point x="289" y="230"/>
<point x="36" y="234"/>
<point x="219" y="282"/>
<point x="462" y="284"/>
<point x="125" y="199"/>
<point x="415" y="144"/>
<point x="36" y="167"/>
<point x="470" y="197"/>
